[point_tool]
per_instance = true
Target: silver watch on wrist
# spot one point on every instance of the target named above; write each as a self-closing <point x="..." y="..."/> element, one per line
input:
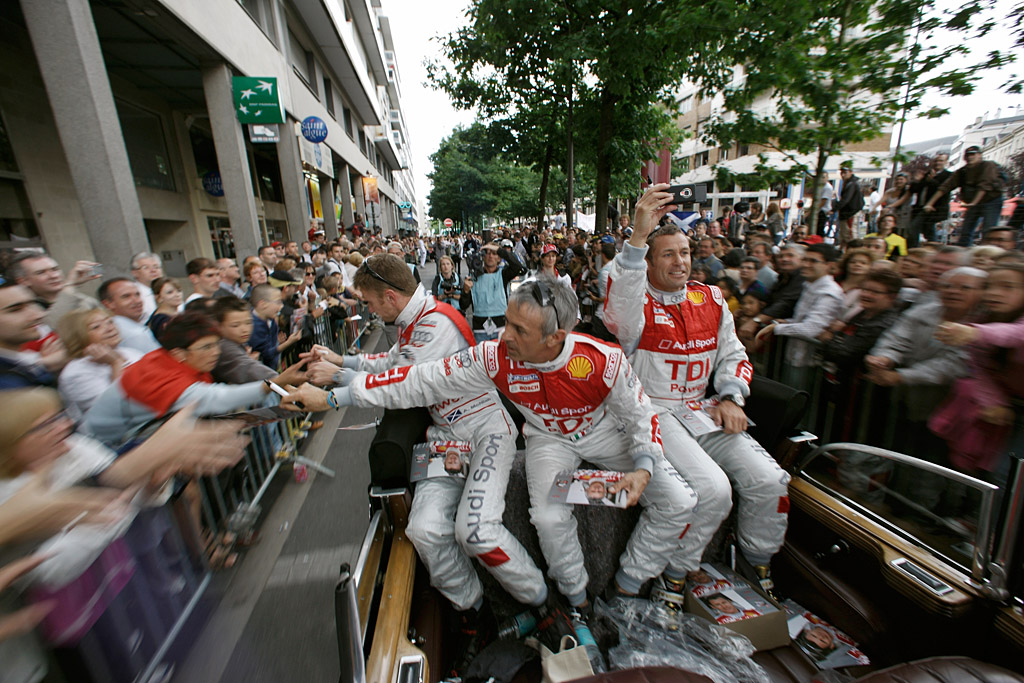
<point x="734" y="398"/>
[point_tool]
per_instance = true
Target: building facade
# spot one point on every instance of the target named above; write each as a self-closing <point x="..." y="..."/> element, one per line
<point x="694" y="160"/>
<point x="119" y="130"/>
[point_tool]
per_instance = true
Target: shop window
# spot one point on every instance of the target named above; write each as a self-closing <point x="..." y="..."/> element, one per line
<point x="147" y="150"/>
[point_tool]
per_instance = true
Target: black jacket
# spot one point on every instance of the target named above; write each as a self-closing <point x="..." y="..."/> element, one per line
<point x="851" y="200"/>
<point x="784" y="295"/>
<point x="849" y="346"/>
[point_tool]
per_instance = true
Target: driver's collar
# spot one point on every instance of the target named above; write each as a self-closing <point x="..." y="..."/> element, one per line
<point x="558" y="361"/>
<point x="667" y="298"/>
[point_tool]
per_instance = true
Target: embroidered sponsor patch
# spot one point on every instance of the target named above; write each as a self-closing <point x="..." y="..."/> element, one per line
<point x="491" y="358"/>
<point x="716" y="294"/>
<point x="390" y="377"/>
<point x="745" y="371"/>
<point x="694" y="297"/>
<point x="579" y="367"/>
<point x="532" y="377"/>
<point x="519" y="388"/>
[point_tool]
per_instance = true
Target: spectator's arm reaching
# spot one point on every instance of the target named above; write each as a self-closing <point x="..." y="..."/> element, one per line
<point x="944" y="367"/>
<point x="825" y="307"/>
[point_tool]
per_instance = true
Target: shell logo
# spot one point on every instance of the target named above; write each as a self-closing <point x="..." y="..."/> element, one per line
<point x="695" y="297"/>
<point x="579" y="367"/>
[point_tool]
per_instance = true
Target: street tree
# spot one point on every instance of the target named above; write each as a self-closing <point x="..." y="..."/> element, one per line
<point x="601" y="73"/>
<point x="821" y="75"/>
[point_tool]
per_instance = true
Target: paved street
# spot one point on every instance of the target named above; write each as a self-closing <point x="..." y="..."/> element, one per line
<point x="274" y="621"/>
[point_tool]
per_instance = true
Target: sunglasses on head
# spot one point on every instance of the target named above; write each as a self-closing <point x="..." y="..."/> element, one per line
<point x="378" y="276"/>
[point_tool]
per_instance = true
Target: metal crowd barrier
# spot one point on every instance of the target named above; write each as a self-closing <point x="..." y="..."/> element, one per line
<point x="846" y="408"/>
<point x="229" y="503"/>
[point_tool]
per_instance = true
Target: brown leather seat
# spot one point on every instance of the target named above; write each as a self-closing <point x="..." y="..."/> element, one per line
<point x="653" y="674"/>
<point x="943" y="670"/>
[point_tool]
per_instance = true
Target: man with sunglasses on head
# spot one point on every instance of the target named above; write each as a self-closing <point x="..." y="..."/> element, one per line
<point x="981" y="192"/>
<point x="453" y="519"/>
<point x="580" y="399"/>
<point x="678" y="333"/>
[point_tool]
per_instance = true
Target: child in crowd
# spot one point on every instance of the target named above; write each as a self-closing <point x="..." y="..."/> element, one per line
<point x="730" y="290"/>
<point x="751" y="305"/>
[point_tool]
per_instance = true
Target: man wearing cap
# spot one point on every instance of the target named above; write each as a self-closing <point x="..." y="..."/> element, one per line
<point x="922" y="223"/>
<point x="489" y="288"/>
<point x="981" y="192"/>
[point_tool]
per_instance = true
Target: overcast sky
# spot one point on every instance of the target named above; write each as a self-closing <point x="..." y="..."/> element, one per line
<point x="431" y="118"/>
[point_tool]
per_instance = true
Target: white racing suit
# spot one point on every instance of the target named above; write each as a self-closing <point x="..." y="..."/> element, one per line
<point x="455" y="519"/>
<point x="588" y="403"/>
<point x="675" y="341"/>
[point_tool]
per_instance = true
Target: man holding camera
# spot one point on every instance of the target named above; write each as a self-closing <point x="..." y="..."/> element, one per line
<point x="489" y="288"/>
<point x="681" y="336"/>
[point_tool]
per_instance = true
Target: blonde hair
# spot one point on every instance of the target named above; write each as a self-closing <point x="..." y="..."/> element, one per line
<point x="355" y="258"/>
<point x="73" y="329"/>
<point x="19" y="410"/>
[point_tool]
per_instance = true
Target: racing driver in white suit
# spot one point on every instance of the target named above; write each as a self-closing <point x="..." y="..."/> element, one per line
<point x="580" y="399"/>
<point x="681" y="335"/>
<point x="452" y="519"/>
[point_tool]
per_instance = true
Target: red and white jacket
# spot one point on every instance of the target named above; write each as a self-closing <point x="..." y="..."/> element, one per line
<point x="675" y="340"/>
<point x="428" y="330"/>
<point x="590" y="383"/>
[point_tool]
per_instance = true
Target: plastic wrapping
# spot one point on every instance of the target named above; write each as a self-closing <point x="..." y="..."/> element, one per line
<point x="652" y="635"/>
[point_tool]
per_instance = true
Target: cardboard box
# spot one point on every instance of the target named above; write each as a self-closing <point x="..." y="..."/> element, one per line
<point x="727" y="599"/>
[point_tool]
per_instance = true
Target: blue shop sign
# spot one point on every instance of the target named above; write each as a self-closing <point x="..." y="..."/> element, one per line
<point x="212" y="184"/>
<point x="314" y="129"/>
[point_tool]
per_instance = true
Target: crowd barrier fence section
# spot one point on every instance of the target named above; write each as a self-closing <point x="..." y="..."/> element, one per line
<point x="141" y="632"/>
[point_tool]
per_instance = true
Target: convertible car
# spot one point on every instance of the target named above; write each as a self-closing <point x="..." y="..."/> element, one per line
<point x="918" y="564"/>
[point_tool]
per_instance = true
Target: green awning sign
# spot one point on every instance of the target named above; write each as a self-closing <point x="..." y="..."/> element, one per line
<point x="257" y="100"/>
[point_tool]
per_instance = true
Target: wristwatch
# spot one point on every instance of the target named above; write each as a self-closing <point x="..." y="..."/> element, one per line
<point x="332" y="400"/>
<point x="734" y="398"/>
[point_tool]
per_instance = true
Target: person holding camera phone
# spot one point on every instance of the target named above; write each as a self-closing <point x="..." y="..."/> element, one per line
<point x="447" y="285"/>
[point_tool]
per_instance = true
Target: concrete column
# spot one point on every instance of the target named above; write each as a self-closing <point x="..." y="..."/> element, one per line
<point x="293" y="183"/>
<point x="232" y="159"/>
<point x="357" y="188"/>
<point x="327" y="204"/>
<point x="68" y="51"/>
<point x="344" y="180"/>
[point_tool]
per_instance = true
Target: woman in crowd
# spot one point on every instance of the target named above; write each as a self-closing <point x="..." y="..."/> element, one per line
<point x="548" y="259"/>
<point x="774" y="221"/>
<point x="853" y="268"/>
<point x="896" y="201"/>
<point x="91" y="340"/>
<point x="37" y="437"/>
<point x="447" y="285"/>
<point x="255" y="274"/>
<point x="984" y="413"/>
<point x="985" y="256"/>
<point x="168" y="295"/>
<point x="896" y="245"/>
